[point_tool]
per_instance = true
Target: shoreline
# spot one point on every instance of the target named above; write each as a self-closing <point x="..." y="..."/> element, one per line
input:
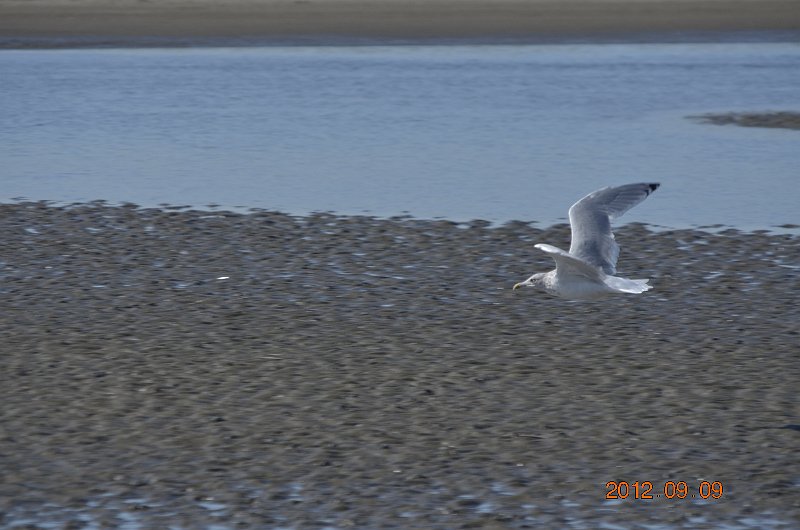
<point x="786" y="228"/>
<point x="105" y="42"/>
<point x="98" y="23"/>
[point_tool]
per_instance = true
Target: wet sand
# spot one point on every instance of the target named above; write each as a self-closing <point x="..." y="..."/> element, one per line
<point x="772" y="120"/>
<point x="37" y="23"/>
<point x="256" y="371"/>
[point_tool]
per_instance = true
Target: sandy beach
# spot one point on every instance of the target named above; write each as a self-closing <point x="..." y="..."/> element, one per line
<point x="167" y="368"/>
<point x="31" y="23"/>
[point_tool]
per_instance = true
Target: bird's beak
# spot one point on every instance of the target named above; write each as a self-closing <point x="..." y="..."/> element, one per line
<point x="516" y="285"/>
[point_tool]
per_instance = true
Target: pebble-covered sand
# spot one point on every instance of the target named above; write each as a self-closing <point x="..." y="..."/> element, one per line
<point x="194" y="369"/>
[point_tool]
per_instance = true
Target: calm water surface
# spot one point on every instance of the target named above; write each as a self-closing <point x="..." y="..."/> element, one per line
<point x="461" y="132"/>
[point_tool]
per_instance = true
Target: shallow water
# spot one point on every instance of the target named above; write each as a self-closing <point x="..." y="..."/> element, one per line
<point x="461" y="132"/>
<point x="143" y="513"/>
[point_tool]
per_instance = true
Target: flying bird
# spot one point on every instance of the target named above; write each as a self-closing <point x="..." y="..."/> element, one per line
<point x="587" y="271"/>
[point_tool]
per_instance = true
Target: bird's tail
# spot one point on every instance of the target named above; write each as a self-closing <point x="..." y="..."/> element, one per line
<point x="624" y="285"/>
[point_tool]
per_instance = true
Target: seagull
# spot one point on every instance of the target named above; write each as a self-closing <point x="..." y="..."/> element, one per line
<point x="587" y="271"/>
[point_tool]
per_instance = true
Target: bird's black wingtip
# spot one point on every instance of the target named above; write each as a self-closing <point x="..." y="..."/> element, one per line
<point x="654" y="186"/>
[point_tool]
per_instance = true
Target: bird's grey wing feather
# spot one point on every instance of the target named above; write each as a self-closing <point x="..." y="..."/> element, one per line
<point x="567" y="264"/>
<point x="590" y="220"/>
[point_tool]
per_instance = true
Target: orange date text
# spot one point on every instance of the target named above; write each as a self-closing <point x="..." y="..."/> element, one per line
<point x="645" y="490"/>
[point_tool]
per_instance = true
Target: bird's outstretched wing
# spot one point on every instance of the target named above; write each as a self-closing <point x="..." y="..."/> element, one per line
<point x="570" y="265"/>
<point x="590" y="220"/>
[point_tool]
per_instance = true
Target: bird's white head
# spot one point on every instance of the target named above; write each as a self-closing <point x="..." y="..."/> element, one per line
<point x="537" y="280"/>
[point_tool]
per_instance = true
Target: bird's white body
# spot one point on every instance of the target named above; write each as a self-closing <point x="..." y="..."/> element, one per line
<point x="575" y="288"/>
<point x="587" y="271"/>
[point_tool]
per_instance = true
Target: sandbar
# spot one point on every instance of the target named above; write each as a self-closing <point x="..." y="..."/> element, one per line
<point x="47" y="23"/>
